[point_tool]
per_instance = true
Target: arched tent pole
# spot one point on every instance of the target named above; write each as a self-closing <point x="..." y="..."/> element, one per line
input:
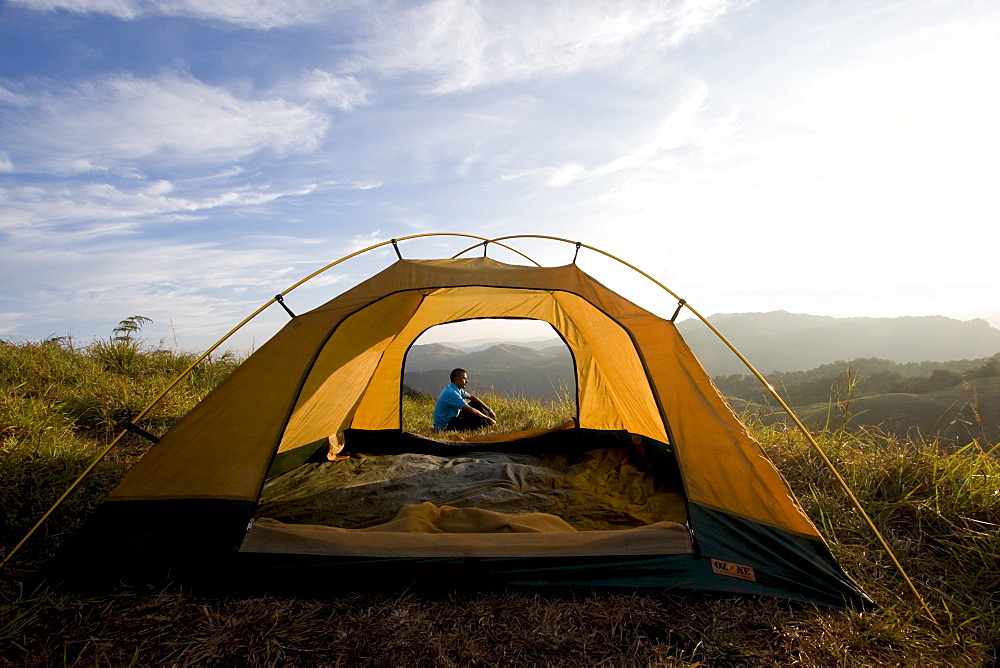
<point x="798" y="423"/>
<point x="391" y="241"/>
<point x="100" y="457"/>
<point x="579" y="245"/>
<point x="486" y="242"/>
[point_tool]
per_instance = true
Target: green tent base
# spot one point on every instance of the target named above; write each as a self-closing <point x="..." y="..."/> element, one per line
<point x="197" y="542"/>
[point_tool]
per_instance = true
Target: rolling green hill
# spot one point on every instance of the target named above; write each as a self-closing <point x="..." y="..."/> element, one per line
<point x="867" y="377"/>
<point x="960" y="414"/>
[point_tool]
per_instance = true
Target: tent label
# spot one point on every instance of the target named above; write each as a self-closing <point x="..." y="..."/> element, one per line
<point x="733" y="570"/>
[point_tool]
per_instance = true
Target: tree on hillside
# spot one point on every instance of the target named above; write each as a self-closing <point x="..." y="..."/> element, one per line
<point x="990" y="369"/>
<point x="871" y="377"/>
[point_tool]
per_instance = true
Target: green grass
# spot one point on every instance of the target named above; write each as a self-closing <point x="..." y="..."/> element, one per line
<point x="61" y="405"/>
<point x="938" y="508"/>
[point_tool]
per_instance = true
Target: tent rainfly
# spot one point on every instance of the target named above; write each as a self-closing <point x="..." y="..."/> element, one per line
<point x="321" y="401"/>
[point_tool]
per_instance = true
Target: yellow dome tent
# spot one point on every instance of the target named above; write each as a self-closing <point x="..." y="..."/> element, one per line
<point x="332" y="378"/>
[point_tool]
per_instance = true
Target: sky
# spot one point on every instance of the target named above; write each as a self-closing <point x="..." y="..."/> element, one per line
<point x="186" y="160"/>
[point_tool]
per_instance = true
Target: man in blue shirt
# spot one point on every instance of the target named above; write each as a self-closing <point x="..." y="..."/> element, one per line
<point x="457" y="410"/>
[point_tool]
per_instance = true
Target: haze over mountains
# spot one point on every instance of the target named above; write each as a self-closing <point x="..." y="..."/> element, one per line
<point x="782" y="341"/>
<point x="776" y="341"/>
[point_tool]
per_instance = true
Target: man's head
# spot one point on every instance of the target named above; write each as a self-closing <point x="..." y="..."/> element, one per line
<point x="460" y="377"/>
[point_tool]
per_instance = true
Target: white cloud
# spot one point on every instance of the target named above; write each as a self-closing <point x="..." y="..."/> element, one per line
<point x="363" y="185"/>
<point x="260" y="14"/>
<point x="865" y="170"/>
<point x="249" y="13"/>
<point x="688" y="135"/>
<point x="565" y="174"/>
<point x="772" y="155"/>
<point x="123" y="9"/>
<point x="201" y="287"/>
<point x="340" y="92"/>
<point x="464" y="44"/>
<point x="362" y="241"/>
<point x="31" y="211"/>
<point x="108" y="123"/>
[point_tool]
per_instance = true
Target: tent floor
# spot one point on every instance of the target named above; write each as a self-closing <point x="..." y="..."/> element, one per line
<point x="542" y="499"/>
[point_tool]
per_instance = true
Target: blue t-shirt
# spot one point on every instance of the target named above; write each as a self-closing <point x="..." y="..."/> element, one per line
<point x="448" y="405"/>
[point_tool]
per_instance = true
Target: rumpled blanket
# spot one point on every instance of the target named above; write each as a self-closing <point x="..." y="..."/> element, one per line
<point x="595" y="490"/>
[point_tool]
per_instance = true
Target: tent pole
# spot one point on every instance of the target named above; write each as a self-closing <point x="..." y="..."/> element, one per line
<point x="494" y="241"/>
<point x="393" y="241"/>
<point x="596" y="250"/>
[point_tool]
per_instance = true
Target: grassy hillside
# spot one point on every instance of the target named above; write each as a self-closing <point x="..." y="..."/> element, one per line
<point x="59" y="404"/>
<point x="959" y="414"/>
<point x="867" y="377"/>
<point x="955" y="406"/>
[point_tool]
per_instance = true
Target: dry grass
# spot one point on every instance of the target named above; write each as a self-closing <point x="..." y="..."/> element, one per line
<point x="938" y="508"/>
<point x="511" y="628"/>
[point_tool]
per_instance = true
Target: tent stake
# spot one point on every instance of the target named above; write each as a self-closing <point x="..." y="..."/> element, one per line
<point x="133" y="428"/>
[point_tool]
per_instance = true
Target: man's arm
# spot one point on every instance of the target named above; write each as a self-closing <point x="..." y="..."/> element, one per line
<point x="478" y="408"/>
<point x="486" y="414"/>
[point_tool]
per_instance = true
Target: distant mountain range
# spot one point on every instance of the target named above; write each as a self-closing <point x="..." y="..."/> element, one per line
<point x="476" y="345"/>
<point x="777" y="341"/>
<point x="781" y="341"/>
<point x="511" y="369"/>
